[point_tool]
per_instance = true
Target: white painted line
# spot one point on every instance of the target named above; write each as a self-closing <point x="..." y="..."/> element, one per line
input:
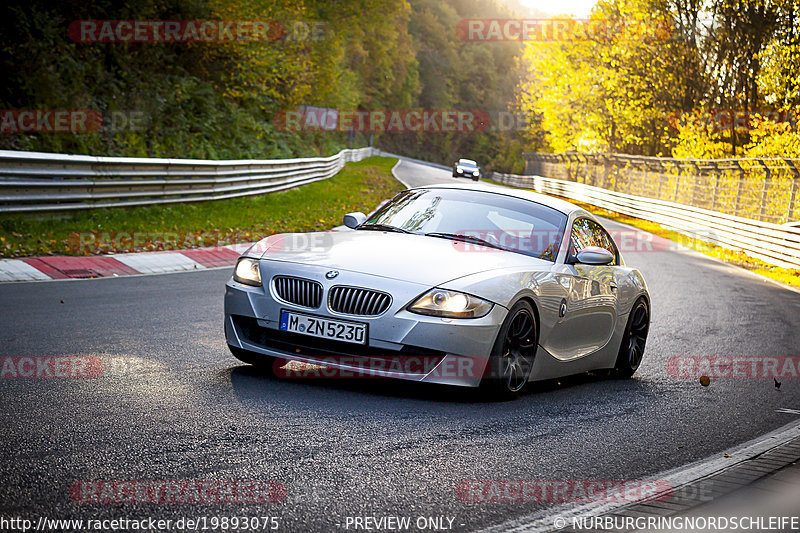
<point x="788" y="411"/>
<point x="543" y="521"/>
<point x="158" y="262"/>
<point x="406" y="185"/>
<point x="16" y="270"/>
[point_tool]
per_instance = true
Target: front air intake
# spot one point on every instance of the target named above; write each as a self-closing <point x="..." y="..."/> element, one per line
<point x="358" y="301"/>
<point x="298" y="291"/>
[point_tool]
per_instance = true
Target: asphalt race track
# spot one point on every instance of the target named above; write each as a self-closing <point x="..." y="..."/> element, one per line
<point x="173" y="404"/>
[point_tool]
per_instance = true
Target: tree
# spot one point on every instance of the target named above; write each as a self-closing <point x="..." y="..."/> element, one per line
<point x="609" y="85"/>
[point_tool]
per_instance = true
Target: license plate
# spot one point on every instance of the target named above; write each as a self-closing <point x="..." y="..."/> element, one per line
<point x="325" y="328"/>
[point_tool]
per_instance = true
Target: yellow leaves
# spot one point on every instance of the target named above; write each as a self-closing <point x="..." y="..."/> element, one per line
<point x="610" y="92"/>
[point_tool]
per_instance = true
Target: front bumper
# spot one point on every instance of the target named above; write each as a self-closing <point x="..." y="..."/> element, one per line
<point x="400" y="344"/>
<point x="463" y="174"/>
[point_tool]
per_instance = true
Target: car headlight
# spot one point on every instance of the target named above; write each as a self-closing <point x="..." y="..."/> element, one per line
<point x="459" y="169"/>
<point x="450" y="304"/>
<point x="475" y="173"/>
<point x="247" y="272"/>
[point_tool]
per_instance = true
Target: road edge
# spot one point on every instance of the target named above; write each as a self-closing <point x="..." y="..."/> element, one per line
<point x="738" y="457"/>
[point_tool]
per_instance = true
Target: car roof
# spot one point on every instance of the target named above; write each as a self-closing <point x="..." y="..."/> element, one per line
<point x="468" y="161"/>
<point x="556" y="203"/>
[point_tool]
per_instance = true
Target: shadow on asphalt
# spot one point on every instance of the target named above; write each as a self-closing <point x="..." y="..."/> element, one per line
<point x="251" y="383"/>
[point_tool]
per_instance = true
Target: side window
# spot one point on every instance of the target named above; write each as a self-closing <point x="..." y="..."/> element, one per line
<point x="586" y="233"/>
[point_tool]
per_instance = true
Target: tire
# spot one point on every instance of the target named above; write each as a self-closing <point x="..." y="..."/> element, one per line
<point x="631" y="348"/>
<point x="455" y="175"/>
<point x="512" y="356"/>
<point x="260" y="361"/>
<point x="475" y="179"/>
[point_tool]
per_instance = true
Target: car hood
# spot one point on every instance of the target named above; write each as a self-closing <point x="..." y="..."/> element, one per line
<point x="426" y="260"/>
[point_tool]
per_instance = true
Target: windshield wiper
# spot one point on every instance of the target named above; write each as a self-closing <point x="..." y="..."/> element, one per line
<point x="464" y="238"/>
<point x="383" y="227"/>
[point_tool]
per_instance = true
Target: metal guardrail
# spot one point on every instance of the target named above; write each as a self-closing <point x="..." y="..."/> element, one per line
<point x="36" y="181"/>
<point x="773" y="243"/>
<point x="765" y="189"/>
<point x="418" y="161"/>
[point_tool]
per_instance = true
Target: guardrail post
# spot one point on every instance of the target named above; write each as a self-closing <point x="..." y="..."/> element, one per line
<point x="661" y="172"/>
<point x="568" y="159"/>
<point x="589" y="168"/>
<point x="793" y="193"/>
<point x="694" y="183"/>
<point x="762" y="208"/>
<point x="568" y="166"/>
<point x="738" y="203"/>
<point x="677" y="182"/>
<point x="646" y="168"/>
<point x="716" y="186"/>
<point x="629" y="170"/>
<point x="571" y="171"/>
<point x="575" y="167"/>
<point x="588" y="163"/>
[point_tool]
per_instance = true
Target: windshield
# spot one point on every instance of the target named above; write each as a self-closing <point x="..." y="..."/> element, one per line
<point x="496" y="220"/>
<point x="467" y="163"/>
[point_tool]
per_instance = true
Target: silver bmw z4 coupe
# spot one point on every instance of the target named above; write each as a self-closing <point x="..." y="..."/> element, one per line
<point x="481" y="286"/>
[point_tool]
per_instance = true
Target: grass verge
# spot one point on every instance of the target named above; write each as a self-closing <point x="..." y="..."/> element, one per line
<point x="318" y="206"/>
<point x="735" y="257"/>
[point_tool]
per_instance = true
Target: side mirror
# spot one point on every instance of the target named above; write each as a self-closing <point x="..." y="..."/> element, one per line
<point x="594" y="255"/>
<point x="354" y="220"/>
